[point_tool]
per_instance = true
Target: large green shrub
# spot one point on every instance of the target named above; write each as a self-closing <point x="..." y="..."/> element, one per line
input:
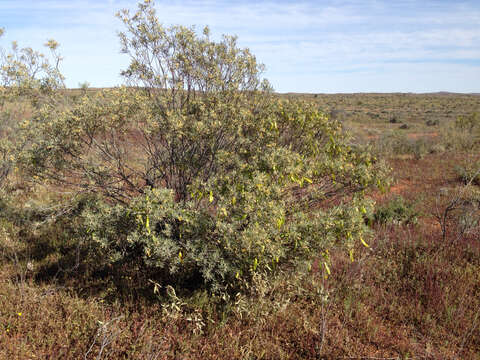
<point x="204" y="177"/>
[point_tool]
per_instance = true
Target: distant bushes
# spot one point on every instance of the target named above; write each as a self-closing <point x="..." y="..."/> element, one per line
<point x="462" y="135"/>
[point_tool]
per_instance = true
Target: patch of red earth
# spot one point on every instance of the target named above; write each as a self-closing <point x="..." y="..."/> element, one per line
<point x="399" y="188"/>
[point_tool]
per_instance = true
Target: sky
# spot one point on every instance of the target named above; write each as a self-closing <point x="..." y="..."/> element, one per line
<point x="323" y="46"/>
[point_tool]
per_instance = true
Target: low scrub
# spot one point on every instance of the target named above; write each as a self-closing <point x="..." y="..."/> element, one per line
<point x="464" y="134"/>
<point x="396" y="143"/>
<point x="396" y="211"/>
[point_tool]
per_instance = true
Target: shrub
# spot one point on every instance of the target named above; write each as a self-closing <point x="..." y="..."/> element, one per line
<point x="458" y="209"/>
<point x="27" y="78"/>
<point x="396" y="211"/>
<point x="437" y="148"/>
<point x="396" y="143"/>
<point x="470" y="123"/>
<point x="394" y="120"/>
<point x="205" y="179"/>
<point x="464" y="134"/>
<point x="469" y="173"/>
<point x="431" y="122"/>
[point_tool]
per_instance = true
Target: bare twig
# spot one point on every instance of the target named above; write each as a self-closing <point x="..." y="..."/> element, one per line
<point x="106" y="333"/>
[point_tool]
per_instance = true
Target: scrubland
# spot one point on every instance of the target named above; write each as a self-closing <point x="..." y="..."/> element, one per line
<point x="217" y="219"/>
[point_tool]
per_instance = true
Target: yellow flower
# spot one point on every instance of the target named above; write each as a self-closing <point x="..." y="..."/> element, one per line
<point x="19" y="314"/>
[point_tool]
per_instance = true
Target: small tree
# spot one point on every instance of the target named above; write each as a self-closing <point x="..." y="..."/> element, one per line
<point x="206" y="177"/>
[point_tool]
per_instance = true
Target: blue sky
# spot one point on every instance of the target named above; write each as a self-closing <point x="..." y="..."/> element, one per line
<point x="307" y="46"/>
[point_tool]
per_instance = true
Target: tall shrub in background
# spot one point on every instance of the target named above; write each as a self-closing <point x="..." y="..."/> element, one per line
<point x="204" y="177"/>
<point x="28" y="78"/>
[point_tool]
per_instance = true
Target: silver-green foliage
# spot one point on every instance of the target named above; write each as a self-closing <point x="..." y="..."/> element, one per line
<point x="27" y="78"/>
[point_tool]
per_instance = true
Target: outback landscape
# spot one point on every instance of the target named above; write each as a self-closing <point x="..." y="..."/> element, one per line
<point x="195" y="213"/>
